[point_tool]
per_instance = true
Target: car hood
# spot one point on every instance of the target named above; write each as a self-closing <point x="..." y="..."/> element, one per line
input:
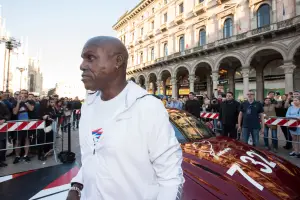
<point x="230" y="169"/>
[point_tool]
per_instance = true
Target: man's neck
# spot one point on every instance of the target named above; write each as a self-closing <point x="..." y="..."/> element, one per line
<point x="112" y="90"/>
<point x="251" y="101"/>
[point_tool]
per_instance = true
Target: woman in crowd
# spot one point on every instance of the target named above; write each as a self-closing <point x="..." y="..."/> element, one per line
<point x="294" y="112"/>
<point x="47" y="113"/>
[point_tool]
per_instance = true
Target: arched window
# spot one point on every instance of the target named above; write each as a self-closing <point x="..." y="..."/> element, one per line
<point x="263" y="15"/>
<point x="152" y="53"/>
<point x="202" y="37"/>
<point x="166" y="49"/>
<point x="227" y="30"/>
<point x="181" y="44"/>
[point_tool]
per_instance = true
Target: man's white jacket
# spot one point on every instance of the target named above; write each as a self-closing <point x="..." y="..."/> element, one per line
<point x="139" y="157"/>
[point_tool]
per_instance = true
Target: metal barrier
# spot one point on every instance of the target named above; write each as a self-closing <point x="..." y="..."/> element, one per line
<point x="34" y="130"/>
<point x="281" y="122"/>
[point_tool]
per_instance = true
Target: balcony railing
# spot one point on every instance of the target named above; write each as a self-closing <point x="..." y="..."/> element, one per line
<point x="199" y="8"/>
<point x="230" y="40"/>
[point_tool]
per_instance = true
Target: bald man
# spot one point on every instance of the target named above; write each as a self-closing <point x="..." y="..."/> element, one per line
<point x="128" y="146"/>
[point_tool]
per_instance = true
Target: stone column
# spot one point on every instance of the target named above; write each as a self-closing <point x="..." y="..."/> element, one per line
<point x="190" y="40"/>
<point x="245" y="72"/>
<point x="147" y="85"/>
<point x="215" y="79"/>
<point x="274" y="11"/>
<point x="208" y="85"/>
<point x="288" y="68"/>
<point x="164" y="88"/>
<point x="192" y="82"/>
<point x="260" y="85"/>
<point x="157" y="50"/>
<point x="158" y="84"/>
<point x="231" y="82"/>
<point x="297" y="7"/>
<point x="174" y="87"/>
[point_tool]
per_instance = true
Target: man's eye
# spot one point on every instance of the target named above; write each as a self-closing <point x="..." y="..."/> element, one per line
<point x="91" y="58"/>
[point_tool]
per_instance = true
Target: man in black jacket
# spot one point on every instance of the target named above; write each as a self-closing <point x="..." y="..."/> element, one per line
<point x="192" y="105"/>
<point x="229" y="112"/>
<point x="4" y="116"/>
<point x="76" y="105"/>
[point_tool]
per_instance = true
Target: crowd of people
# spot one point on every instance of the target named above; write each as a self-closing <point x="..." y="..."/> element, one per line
<point x="25" y="106"/>
<point x="240" y="119"/>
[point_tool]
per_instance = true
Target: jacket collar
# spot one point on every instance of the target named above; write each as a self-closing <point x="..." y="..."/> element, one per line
<point x="133" y="93"/>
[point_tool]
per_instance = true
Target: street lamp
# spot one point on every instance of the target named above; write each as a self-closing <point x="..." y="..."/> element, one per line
<point x="10" y="45"/>
<point x="21" y="69"/>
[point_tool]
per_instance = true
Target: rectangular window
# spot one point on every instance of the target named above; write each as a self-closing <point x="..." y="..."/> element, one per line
<point x="181" y="9"/>
<point x="152" y="53"/>
<point x="181" y="43"/>
<point x="165" y="17"/>
<point x="142" y="31"/>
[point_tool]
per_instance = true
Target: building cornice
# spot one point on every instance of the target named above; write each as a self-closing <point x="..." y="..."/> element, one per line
<point x="129" y="15"/>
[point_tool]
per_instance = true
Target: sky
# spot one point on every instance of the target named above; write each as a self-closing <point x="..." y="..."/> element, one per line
<point x="60" y="28"/>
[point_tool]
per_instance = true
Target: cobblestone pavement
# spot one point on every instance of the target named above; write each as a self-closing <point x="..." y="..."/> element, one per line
<point x="36" y="164"/>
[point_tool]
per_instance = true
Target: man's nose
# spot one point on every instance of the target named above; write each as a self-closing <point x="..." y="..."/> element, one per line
<point x="83" y="66"/>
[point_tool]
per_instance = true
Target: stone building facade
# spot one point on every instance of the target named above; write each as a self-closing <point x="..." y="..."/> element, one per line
<point x="211" y="46"/>
<point x="35" y="76"/>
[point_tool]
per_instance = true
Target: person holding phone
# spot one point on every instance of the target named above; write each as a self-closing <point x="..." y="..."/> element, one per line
<point x="21" y="109"/>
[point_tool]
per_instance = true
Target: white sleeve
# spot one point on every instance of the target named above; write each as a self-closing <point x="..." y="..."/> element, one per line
<point x="165" y="155"/>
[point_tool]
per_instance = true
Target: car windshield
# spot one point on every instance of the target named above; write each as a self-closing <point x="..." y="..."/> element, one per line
<point x="188" y="128"/>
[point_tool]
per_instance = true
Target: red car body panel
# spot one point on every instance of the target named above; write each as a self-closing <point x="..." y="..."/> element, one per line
<point x="210" y="174"/>
<point x="224" y="168"/>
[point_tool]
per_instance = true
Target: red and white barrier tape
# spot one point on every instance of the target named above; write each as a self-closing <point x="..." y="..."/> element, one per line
<point x="268" y="121"/>
<point x="209" y="115"/>
<point x="283" y="122"/>
<point x="22" y="125"/>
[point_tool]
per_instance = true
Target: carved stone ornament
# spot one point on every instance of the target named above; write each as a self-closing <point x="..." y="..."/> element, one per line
<point x="192" y="78"/>
<point x="288" y="68"/>
<point x="254" y="2"/>
<point x="202" y="21"/>
<point x="173" y="81"/>
<point x="215" y="75"/>
<point x="230" y="11"/>
<point x="245" y="72"/>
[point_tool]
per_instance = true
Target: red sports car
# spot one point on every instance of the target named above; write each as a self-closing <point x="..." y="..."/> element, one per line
<point x="214" y="168"/>
<point x="223" y="168"/>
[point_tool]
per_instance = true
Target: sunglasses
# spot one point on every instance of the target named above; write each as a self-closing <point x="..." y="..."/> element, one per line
<point x="250" y="94"/>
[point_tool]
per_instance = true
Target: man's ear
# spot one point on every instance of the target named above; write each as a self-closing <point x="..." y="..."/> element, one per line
<point x="119" y="60"/>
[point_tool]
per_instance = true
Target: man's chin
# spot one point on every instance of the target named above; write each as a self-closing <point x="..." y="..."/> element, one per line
<point x="88" y="86"/>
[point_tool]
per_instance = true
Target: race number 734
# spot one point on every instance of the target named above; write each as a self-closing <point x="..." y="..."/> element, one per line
<point x="266" y="167"/>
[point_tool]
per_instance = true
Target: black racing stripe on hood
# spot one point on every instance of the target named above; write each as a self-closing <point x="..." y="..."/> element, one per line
<point x="207" y="169"/>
